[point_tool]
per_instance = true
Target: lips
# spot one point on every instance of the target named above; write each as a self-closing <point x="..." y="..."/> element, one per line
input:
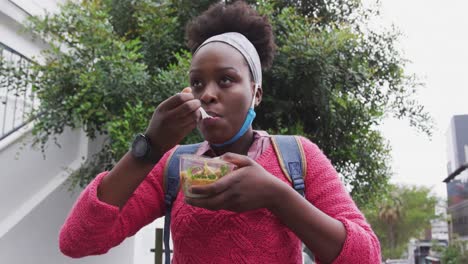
<point x="213" y="114"/>
<point x="208" y="122"/>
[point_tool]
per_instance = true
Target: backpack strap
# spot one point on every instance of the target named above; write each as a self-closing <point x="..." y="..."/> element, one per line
<point x="292" y="159"/>
<point x="171" y="188"/>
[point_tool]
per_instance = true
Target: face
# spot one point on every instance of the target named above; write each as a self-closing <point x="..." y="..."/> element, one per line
<point x="220" y="79"/>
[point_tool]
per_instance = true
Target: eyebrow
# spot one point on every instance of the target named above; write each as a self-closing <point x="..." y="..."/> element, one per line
<point x="218" y="70"/>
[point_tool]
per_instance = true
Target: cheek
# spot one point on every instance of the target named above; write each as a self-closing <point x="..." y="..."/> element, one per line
<point x="239" y="98"/>
<point x="238" y="108"/>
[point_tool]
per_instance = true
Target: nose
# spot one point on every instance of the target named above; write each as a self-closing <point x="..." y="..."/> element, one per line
<point x="209" y="94"/>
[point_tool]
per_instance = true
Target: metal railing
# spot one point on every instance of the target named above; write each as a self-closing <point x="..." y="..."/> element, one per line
<point x="158" y="247"/>
<point x="17" y="99"/>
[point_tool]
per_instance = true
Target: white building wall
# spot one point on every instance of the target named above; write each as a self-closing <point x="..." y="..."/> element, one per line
<point x="451" y="148"/>
<point x="439" y="227"/>
<point x="27" y="178"/>
<point x="466" y="153"/>
<point x="35" y="202"/>
<point x="11" y="18"/>
<point x="35" y="238"/>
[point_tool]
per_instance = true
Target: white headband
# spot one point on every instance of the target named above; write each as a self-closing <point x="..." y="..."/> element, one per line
<point x="245" y="47"/>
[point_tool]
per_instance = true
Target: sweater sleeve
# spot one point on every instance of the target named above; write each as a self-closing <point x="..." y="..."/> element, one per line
<point x="93" y="227"/>
<point x="326" y="192"/>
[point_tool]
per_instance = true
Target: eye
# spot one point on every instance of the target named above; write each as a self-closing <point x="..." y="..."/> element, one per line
<point x="225" y="81"/>
<point x="196" y="84"/>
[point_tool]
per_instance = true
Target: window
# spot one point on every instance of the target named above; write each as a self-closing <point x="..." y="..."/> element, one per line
<point x="17" y="100"/>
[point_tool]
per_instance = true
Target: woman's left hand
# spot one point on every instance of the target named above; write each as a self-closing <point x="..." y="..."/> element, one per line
<point x="249" y="187"/>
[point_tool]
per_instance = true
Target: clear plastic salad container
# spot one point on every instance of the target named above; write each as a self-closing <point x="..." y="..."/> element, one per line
<point x="200" y="170"/>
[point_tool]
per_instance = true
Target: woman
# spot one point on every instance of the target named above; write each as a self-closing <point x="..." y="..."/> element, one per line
<point x="252" y="215"/>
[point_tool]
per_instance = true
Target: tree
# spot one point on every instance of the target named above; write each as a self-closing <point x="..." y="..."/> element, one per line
<point x="110" y="63"/>
<point x="405" y="213"/>
<point x="390" y="213"/>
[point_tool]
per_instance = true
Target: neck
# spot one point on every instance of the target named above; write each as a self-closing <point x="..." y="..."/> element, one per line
<point x="241" y="146"/>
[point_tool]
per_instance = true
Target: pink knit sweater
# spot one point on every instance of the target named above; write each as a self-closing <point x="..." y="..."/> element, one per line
<point x="202" y="236"/>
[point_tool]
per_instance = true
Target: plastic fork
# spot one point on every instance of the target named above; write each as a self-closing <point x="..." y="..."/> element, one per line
<point x="204" y="114"/>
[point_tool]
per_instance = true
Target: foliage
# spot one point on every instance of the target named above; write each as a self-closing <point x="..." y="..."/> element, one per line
<point x="339" y="83"/>
<point x="405" y="213"/>
<point x="110" y="63"/>
<point x="89" y="72"/>
<point x="456" y="252"/>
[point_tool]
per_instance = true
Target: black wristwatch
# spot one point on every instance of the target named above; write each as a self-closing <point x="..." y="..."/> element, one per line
<point x="142" y="149"/>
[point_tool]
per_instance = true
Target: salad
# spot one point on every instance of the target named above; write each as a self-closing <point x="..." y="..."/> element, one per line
<point x="198" y="170"/>
<point x="204" y="175"/>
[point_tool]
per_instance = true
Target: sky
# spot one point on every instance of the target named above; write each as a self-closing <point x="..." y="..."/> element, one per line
<point x="435" y="40"/>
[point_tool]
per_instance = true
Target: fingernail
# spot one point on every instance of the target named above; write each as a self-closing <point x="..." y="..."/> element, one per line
<point x="187" y="90"/>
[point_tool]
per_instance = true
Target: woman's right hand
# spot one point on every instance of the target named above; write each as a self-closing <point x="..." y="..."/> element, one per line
<point x="172" y="120"/>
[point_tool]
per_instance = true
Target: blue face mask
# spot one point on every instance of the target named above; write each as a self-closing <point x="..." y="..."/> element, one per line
<point x="245" y="126"/>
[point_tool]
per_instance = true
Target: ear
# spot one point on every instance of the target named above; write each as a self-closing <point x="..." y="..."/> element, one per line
<point x="258" y="95"/>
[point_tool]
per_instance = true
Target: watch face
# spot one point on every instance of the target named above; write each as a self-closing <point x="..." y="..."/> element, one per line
<point x="140" y="147"/>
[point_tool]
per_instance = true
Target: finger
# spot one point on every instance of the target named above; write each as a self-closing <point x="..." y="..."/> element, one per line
<point x="188" y="123"/>
<point x="197" y="116"/>
<point x="237" y="159"/>
<point x="187" y="90"/>
<point x="176" y="100"/>
<point x="190" y="119"/>
<point x="185" y="109"/>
